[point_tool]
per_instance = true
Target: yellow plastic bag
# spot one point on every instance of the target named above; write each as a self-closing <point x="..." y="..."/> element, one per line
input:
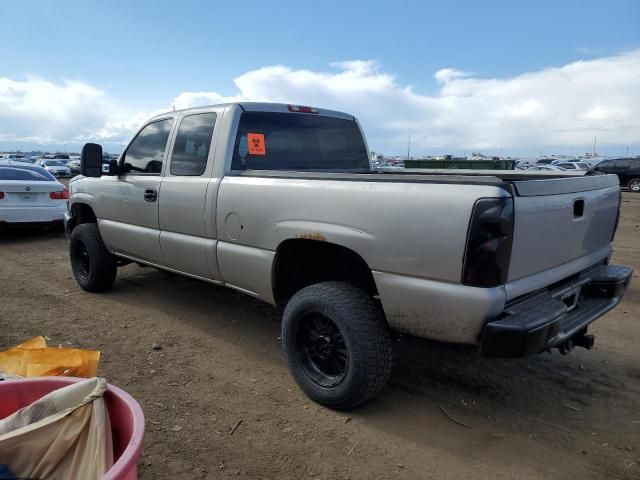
<point x="34" y="359"/>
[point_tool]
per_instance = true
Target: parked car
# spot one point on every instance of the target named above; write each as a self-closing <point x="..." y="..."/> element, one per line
<point x="30" y="194"/>
<point x="56" y="167"/>
<point x="74" y="166"/>
<point x="280" y="202"/>
<point x="546" y="161"/>
<point x="574" y="166"/>
<point x="16" y="157"/>
<point x="546" y="168"/>
<point x="106" y="161"/>
<point x="16" y="161"/>
<point x="627" y="170"/>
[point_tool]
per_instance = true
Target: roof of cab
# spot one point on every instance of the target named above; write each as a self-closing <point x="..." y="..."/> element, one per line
<point x="261" y="107"/>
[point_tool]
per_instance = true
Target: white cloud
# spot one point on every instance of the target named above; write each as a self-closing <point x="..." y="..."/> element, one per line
<point x="197" y="99"/>
<point x="40" y="110"/>
<point x="558" y="106"/>
<point x="446" y="75"/>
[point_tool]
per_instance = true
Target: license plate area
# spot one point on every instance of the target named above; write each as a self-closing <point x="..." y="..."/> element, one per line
<point x="30" y="198"/>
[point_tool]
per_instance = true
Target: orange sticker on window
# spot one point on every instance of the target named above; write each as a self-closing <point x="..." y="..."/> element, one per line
<point x="256" y="144"/>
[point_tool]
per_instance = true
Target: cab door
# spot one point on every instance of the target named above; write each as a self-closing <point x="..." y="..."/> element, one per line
<point x="128" y="203"/>
<point x="188" y="202"/>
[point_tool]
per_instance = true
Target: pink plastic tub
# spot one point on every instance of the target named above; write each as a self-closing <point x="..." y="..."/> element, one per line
<point x="125" y="414"/>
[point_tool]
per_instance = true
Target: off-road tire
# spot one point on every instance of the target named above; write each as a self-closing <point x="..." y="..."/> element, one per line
<point x="93" y="266"/>
<point x="364" y="330"/>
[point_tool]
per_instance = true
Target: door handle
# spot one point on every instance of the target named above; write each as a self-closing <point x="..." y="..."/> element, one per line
<point x="150" y="195"/>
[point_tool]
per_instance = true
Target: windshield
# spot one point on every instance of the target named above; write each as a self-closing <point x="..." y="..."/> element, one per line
<point x="295" y="141"/>
<point x="54" y="163"/>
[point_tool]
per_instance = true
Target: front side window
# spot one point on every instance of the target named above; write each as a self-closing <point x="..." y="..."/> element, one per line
<point x="193" y="141"/>
<point x="146" y="152"/>
<point x="604" y="165"/>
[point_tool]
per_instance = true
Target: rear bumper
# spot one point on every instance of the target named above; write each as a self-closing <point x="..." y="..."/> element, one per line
<point x="33" y="214"/>
<point x="558" y="316"/>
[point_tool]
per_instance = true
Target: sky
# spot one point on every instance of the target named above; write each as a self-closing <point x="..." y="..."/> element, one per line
<point x="500" y="77"/>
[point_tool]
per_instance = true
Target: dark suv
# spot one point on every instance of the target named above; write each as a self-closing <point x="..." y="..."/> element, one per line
<point x="627" y="169"/>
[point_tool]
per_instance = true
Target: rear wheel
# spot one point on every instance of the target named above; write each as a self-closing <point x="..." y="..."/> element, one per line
<point x="634" y="185"/>
<point x="337" y="344"/>
<point x="93" y="266"/>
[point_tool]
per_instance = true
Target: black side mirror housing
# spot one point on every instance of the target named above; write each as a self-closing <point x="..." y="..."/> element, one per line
<point x="91" y="160"/>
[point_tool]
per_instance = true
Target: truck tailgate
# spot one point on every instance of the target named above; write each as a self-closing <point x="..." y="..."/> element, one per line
<point x="562" y="219"/>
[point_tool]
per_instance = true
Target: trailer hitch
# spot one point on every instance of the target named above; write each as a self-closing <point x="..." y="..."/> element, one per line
<point x="578" y="340"/>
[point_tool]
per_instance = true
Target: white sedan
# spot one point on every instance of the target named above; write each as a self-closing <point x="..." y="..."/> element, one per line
<point x="30" y="194"/>
<point x="56" y="167"/>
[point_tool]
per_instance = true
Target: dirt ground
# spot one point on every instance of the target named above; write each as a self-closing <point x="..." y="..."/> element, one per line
<point x="221" y="361"/>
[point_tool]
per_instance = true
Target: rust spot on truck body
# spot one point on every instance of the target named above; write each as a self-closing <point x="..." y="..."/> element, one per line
<point x="312" y="236"/>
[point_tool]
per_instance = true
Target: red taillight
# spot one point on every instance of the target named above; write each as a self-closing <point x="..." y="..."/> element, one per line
<point x="301" y="109"/>
<point x="1" y="195"/>
<point x="61" y="195"/>
<point x="489" y="239"/>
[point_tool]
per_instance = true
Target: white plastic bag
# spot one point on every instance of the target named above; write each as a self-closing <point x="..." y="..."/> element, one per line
<point x="63" y="435"/>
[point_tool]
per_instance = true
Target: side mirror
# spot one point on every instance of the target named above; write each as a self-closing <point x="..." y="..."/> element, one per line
<point x="91" y="160"/>
<point x="112" y="167"/>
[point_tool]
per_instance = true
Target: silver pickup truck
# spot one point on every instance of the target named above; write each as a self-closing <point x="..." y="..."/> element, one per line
<point x="280" y="202"/>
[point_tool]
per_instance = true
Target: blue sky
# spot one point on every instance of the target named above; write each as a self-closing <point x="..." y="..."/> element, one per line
<point x="143" y="54"/>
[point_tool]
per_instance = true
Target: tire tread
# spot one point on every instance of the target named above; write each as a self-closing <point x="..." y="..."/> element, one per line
<point x="365" y="320"/>
<point x="103" y="264"/>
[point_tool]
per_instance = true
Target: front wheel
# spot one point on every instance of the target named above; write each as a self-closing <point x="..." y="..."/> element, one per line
<point x="634" y="185"/>
<point x="93" y="266"/>
<point x="337" y="344"/>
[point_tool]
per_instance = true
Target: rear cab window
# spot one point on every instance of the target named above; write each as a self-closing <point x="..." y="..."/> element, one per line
<point x="299" y="142"/>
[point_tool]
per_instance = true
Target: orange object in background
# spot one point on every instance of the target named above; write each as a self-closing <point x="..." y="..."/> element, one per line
<point x="34" y="359"/>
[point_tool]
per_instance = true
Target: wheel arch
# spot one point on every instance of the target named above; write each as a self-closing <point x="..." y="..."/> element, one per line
<point x="81" y="212"/>
<point x="300" y="262"/>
